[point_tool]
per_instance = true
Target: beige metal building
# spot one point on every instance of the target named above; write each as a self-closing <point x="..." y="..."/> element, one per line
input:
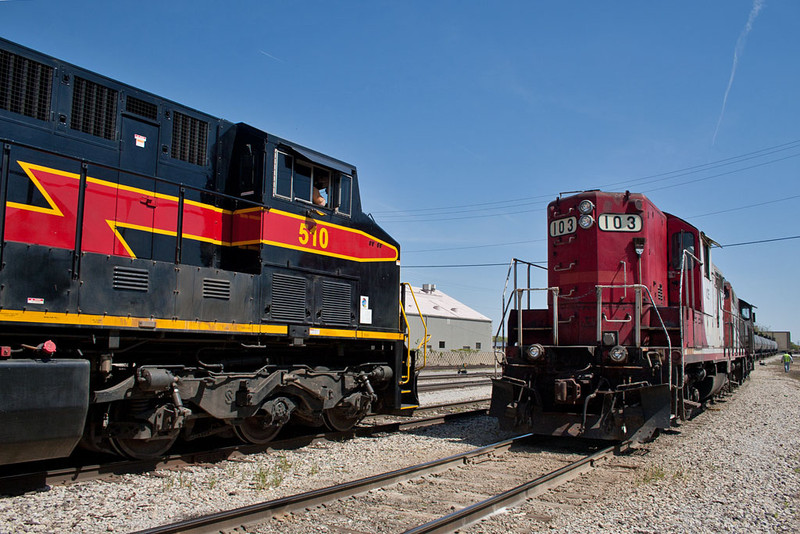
<point x="784" y="339"/>
<point x="458" y="334"/>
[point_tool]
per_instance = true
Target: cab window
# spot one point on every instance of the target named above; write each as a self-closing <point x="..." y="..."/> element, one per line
<point x="305" y="182"/>
<point x="345" y="194"/>
<point x="682" y="241"/>
<point x="301" y="185"/>
<point x="284" y="167"/>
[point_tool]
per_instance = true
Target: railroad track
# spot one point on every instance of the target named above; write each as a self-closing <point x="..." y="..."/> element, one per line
<point x="440" y="382"/>
<point x="414" y="507"/>
<point x="16" y="480"/>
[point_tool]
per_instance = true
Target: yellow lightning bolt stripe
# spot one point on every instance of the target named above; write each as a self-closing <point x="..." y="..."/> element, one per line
<point x="53" y="209"/>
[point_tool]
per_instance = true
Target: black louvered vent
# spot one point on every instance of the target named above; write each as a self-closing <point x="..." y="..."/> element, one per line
<point x="147" y="110"/>
<point x="132" y="279"/>
<point x="336" y="302"/>
<point x="189" y="139"/>
<point x="94" y="109"/>
<point x="288" y="298"/>
<point x="660" y="293"/>
<point x="216" y="289"/>
<point x="25" y="86"/>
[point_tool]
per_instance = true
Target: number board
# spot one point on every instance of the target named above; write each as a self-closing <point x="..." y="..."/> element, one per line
<point x="564" y="226"/>
<point x="619" y="222"/>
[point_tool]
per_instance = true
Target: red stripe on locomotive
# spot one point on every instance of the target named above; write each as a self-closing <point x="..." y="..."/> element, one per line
<point x="111" y="206"/>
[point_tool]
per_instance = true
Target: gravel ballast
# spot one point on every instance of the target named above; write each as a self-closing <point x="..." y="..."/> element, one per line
<point x="735" y="468"/>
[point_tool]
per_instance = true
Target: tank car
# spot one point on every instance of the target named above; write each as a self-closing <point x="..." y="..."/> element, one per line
<point x="640" y="327"/>
<point x="168" y="274"/>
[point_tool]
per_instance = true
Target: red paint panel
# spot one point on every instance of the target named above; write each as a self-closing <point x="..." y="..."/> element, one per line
<point x="292" y="231"/>
<point x="53" y="226"/>
<point x="110" y="207"/>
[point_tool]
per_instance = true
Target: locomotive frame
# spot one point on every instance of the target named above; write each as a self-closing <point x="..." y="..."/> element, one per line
<point x="167" y="273"/>
<point x="640" y="327"/>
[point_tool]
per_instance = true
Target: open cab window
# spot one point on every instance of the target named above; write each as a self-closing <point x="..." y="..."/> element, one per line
<point x="303" y="181"/>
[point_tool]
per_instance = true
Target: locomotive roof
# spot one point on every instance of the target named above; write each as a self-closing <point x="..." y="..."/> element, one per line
<point x="310" y="154"/>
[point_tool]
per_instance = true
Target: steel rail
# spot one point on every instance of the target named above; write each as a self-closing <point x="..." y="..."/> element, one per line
<point x="512" y="497"/>
<point x="453" y="404"/>
<point x="16" y="483"/>
<point x="258" y="513"/>
<point x="453" y="384"/>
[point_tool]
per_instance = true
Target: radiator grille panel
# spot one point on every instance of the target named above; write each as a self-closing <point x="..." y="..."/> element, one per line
<point x="94" y="109"/>
<point x="216" y="289"/>
<point x="131" y="279"/>
<point x="336" y="302"/>
<point x="147" y="110"/>
<point x="189" y="139"/>
<point x="288" y="298"/>
<point x="25" y="86"/>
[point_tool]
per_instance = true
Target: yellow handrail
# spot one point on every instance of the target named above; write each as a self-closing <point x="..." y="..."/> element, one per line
<point x="424" y="343"/>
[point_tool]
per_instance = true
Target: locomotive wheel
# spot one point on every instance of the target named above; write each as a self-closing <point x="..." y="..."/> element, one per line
<point x="340" y="419"/>
<point x="256" y="430"/>
<point x="143" y="449"/>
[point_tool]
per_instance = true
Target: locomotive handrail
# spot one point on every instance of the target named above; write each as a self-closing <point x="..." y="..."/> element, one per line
<point x="638" y="288"/>
<point x="507" y="303"/>
<point x="518" y="292"/>
<point x="627" y="319"/>
<point x="133" y="173"/>
<point x="562" y="243"/>
<point x="85" y="163"/>
<point x="424" y="343"/>
<point x="684" y="272"/>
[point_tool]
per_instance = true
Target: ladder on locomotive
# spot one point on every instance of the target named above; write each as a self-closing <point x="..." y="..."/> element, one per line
<point x="409" y="399"/>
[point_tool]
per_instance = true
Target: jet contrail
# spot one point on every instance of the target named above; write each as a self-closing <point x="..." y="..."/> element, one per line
<point x="757" y="5"/>
<point x="271" y="56"/>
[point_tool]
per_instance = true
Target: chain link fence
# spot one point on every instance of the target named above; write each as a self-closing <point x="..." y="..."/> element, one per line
<point x="458" y="358"/>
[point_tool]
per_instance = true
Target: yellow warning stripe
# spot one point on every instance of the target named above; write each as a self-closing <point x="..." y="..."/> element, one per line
<point x="143" y="323"/>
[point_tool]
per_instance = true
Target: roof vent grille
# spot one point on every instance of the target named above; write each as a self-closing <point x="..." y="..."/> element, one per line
<point x="25" y="86"/>
<point x="94" y="109"/>
<point x="147" y="110"/>
<point x="189" y="139"/>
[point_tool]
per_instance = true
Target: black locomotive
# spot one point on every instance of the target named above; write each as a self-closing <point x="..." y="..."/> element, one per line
<point x="165" y="273"/>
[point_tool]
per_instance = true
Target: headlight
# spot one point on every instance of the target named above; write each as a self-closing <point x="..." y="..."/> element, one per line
<point x="586" y="207"/>
<point x="534" y="352"/>
<point x="618" y="354"/>
<point x="586" y="221"/>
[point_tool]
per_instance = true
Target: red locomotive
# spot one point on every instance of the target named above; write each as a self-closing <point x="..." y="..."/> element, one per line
<point x="640" y="325"/>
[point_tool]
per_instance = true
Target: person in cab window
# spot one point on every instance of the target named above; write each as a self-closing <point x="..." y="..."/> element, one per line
<point x="320" y="197"/>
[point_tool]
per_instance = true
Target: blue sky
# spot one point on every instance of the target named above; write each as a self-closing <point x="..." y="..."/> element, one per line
<point x="466" y="117"/>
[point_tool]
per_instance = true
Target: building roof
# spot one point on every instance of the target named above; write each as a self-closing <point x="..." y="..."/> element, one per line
<point x="434" y="303"/>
